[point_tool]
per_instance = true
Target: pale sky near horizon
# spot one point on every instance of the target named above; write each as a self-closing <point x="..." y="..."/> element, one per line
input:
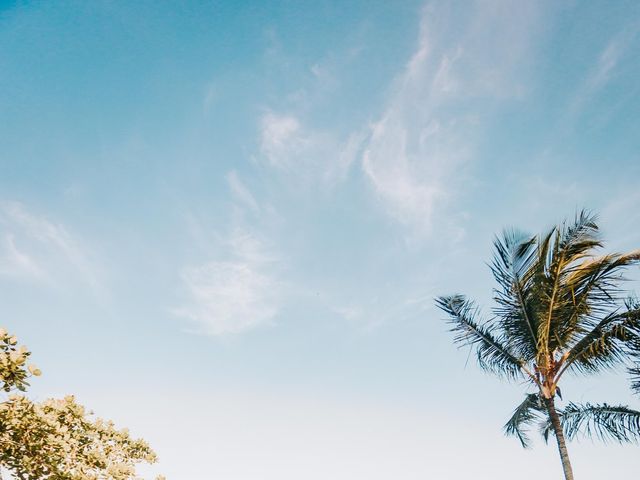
<point x="223" y="224"/>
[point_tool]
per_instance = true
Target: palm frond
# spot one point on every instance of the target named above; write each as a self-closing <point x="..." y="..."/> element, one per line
<point x="605" y="422"/>
<point x="568" y="245"/>
<point x="579" y="238"/>
<point x="579" y="289"/>
<point x="633" y="304"/>
<point x="524" y="414"/>
<point x="606" y="344"/>
<point x="544" y="282"/>
<point x="635" y="378"/>
<point x="593" y="285"/>
<point x="512" y="267"/>
<point x="492" y="354"/>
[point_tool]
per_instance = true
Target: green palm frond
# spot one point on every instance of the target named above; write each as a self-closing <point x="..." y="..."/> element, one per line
<point x="564" y="247"/>
<point x="492" y="354"/>
<point x="580" y="237"/>
<point x="546" y="282"/>
<point x="593" y="286"/>
<point x="633" y="304"/>
<point x="512" y="266"/>
<point x="605" y="422"/>
<point x="597" y="277"/>
<point x="606" y="345"/>
<point x="529" y="411"/>
<point x="635" y="379"/>
<point x="558" y="307"/>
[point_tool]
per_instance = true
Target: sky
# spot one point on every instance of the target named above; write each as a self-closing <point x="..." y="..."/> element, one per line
<point x="223" y="224"/>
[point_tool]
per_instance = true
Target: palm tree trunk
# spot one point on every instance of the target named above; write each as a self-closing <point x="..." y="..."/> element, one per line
<point x="562" y="446"/>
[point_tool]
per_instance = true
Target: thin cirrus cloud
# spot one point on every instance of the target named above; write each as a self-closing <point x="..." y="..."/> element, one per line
<point x="239" y="292"/>
<point x="413" y="157"/>
<point x="282" y="139"/>
<point x="16" y="263"/>
<point x="228" y="296"/>
<point x="604" y="69"/>
<point x="292" y="147"/>
<point x="415" y="154"/>
<point x="241" y="193"/>
<point x="611" y="56"/>
<point x="418" y="150"/>
<point x="37" y="249"/>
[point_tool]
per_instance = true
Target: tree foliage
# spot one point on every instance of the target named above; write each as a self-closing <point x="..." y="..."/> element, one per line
<point x="606" y="422"/>
<point x="559" y="307"/>
<point x="58" y="439"/>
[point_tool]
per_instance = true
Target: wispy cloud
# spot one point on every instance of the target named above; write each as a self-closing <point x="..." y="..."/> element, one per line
<point x="417" y="151"/>
<point x="281" y="139"/>
<point x="238" y="290"/>
<point x="604" y="68"/>
<point x="312" y="154"/>
<point x="36" y="248"/>
<point x="376" y="310"/>
<point x="17" y="263"/>
<point x="291" y="138"/>
<point x="241" y="193"/>
<point x="231" y="296"/>
<point x="610" y="58"/>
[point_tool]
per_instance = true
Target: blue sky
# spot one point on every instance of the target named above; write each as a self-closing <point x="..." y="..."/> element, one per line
<point x="223" y="224"/>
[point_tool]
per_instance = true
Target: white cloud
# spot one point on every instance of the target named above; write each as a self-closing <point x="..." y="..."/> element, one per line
<point x="609" y="60"/>
<point x="410" y="186"/>
<point x="241" y="193"/>
<point x="228" y="297"/>
<point x="310" y="154"/>
<point x="17" y="263"/>
<point x="417" y="151"/>
<point x="35" y="248"/>
<point x="347" y="154"/>
<point x="281" y="139"/>
<point x="314" y="154"/>
<point x="238" y="290"/>
<point x="601" y="73"/>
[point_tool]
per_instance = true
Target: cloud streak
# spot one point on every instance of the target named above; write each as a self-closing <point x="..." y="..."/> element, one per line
<point x="238" y="291"/>
<point x="418" y="150"/>
<point x="610" y="58"/>
<point x="307" y="153"/>
<point x="604" y="68"/>
<point x="241" y="193"/>
<point x="282" y="139"/>
<point x="35" y="248"/>
<point x="229" y="296"/>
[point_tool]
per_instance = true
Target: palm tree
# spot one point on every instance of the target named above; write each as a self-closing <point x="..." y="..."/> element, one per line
<point x="635" y="369"/>
<point x="559" y="308"/>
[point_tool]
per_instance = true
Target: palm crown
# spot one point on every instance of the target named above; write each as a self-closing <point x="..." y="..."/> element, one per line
<point x="559" y="307"/>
